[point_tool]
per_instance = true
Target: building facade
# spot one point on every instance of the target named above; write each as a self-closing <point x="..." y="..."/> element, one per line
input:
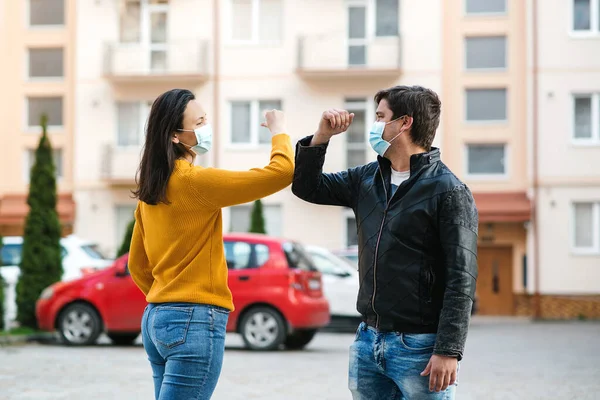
<point x="38" y="66"/>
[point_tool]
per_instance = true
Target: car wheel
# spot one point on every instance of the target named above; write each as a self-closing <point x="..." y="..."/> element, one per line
<point x="299" y="339"/>
<point x="79" y="325"/>
<point x="262" y="328"/>
<point x="123" y="339"/>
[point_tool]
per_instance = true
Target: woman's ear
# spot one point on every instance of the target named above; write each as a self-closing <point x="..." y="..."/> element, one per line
<point x="175" y="139"/>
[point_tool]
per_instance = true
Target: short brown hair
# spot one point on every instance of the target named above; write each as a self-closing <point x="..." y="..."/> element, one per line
<point x="420" y="103"/>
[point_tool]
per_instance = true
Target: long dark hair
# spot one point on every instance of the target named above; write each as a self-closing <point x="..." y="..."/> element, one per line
<point x="160" y="153"/>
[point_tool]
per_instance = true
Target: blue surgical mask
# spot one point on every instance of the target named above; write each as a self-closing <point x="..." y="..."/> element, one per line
<point x="204" y="136"/>
<point x="376" y="140"/>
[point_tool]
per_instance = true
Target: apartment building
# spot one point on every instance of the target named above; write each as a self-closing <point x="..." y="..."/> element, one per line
<point x="239" y="57"/>
<point x="566" y="132"/>
<point x="37" y="77"/>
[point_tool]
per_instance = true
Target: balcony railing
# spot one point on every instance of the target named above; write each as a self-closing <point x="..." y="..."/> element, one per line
<point x="333" y="54"/>
<point x="167" y="61"/>
<point x="120" y="164"/>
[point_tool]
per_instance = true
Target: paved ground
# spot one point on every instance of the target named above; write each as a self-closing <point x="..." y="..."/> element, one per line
<point x="504" y="360"/>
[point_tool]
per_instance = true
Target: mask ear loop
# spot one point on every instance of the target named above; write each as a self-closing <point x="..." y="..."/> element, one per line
<point x="394" y="138"/>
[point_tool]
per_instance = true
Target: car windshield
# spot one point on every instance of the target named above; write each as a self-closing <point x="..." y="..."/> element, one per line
<point x="297" y="257"/>
<point x="331" y="264"/>
<point x="93" y="251"/>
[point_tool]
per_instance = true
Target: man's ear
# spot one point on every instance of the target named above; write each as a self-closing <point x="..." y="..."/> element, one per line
<point x="407" y="123"/>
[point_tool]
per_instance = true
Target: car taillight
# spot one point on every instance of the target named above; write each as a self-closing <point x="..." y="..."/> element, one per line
<point x="296" y="281"/>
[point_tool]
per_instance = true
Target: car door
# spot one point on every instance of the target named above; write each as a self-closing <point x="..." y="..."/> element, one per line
<point x="123" y="302"/>
<point x="244" y="260"/>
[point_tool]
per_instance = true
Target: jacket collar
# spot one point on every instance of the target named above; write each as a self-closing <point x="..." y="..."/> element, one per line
<point x="417" y="161"/>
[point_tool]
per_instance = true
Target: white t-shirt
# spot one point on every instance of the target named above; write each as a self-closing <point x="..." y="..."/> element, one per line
<point x="398" y="178"/>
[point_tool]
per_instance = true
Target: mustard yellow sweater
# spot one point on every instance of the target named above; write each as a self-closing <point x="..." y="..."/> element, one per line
<point x="177" y="252"/>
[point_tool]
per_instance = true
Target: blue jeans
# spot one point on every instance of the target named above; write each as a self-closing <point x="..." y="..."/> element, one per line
<point x="185" y="345"/>
<point x="388" y="365"/>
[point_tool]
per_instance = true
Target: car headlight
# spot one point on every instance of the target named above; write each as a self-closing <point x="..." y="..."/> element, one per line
<point x="47" y="293"/>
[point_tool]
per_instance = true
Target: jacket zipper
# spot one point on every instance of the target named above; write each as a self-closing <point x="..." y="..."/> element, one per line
<point x="377" y="251"/>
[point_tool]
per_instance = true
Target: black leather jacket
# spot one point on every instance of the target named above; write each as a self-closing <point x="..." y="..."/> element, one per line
<point x="417" y="248"/>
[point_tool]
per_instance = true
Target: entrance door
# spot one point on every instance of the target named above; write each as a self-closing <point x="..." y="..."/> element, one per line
<point x="494" y="281"/>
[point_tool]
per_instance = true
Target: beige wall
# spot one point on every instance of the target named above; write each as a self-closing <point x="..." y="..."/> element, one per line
<point x="15" y="39"/>
<point x="457" y="79"/>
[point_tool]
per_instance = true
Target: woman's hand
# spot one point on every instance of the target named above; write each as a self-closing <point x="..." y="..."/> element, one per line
<point x="275" y="121"/>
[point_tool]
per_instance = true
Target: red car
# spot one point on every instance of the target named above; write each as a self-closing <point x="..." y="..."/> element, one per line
<point x="277" y="294"/>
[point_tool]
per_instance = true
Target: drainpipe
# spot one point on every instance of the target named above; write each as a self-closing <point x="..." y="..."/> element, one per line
<point x="216" y="84"/>
<point x="537" y="312"/>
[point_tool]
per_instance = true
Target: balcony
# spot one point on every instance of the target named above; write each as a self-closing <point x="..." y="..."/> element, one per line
<point x="171" y="63"/>
<point x="120" y="164"/>
<point x="327" y="56"/>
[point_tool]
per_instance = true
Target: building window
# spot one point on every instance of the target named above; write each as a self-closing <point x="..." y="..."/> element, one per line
<point x="246" y="117"/>
<point x="486" y="6"/>
<point x="586" y="227"/>
<point x="46" y="63"/>
<point x="131" y="119"/>
<point x="124" y="214"/>
<point x="486" y="105"/>
<point x="239" y="217"/>
<point x="57" y="156"/>
<point x="486" y="52"/>
<point x="486" y="160"/>
<point x="586" y="121"/>
<point x="586" y="16"/>
<point x="52" y="107"/>
<point x="356" y="136"/>
<point x="386" y="18"/>
<point x="46" y="12"/>
<point x="130" y="30"/>
<point x="256" y="21"/>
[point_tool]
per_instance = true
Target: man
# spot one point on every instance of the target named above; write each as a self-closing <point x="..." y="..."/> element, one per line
<point x="417" y="233"/>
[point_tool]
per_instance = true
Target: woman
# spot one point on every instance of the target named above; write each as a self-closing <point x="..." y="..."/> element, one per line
<point x="177" y="257"/>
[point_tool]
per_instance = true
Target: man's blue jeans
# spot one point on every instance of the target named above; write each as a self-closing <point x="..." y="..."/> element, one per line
<point x="185" y="345"/>
<point x="388" y="365"/>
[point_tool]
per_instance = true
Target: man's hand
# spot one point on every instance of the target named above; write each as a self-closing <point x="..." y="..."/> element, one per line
<point x="332" y="122"/>
<point x="442" y="372"/>
<point x="275" y="121"/>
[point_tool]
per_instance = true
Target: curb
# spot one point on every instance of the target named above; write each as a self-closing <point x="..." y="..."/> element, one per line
<point x="8" y="340"/>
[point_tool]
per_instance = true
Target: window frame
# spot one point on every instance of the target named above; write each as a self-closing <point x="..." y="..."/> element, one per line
<point x="49" y="26"/>
<point x="366" y="106"/>
<point x="145" y="106"/>
<point x="486" y="122"/>
<point x="256" y="20"/>
<point x="497" y="69"/>
<point x="347" y="213"/>
<point x="486" y="14"/>
<point x="595" y="139"/>
<point x="595" y="249"/>
<point x="30" y="78"/>
<point x="254" y="142"/>
<point x="486" y="176"/>
<point x="37" y="128"/>
<point x="594" y="30"/>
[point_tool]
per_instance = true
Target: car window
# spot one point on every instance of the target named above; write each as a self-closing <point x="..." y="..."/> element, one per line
<point x="11" y="254"/>
<point x="297" y="257"/>
<point x="93" y="251"/>
<point x="323" y="264"/>
<point x="242" y="255"/>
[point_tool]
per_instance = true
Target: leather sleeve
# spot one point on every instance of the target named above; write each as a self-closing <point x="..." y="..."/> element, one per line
<point x="314" y="186"/>
<point x="458" y="224"/>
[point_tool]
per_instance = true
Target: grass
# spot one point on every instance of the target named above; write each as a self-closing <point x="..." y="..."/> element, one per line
<point x="18" y="331"/>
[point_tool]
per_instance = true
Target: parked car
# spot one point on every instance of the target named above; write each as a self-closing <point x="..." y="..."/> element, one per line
<point x="350" y="253"/>
<point x="277" y="293"/>
<point x="340" y="281"/>
<point x="79" y="256"/>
